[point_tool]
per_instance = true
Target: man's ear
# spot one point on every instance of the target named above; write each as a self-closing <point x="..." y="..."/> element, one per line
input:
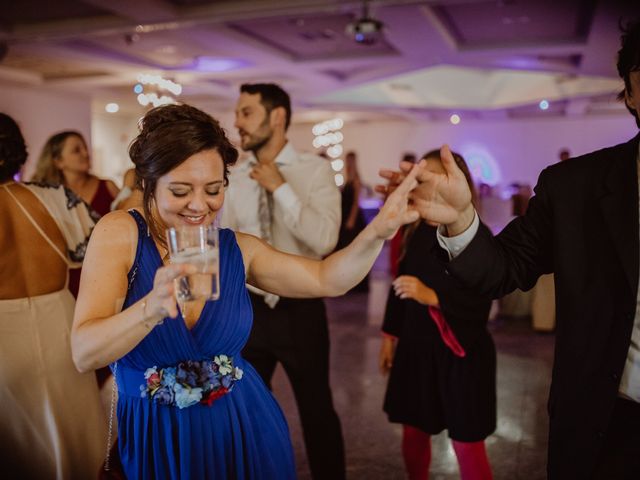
<point x="628" y="100"/>
<point x="278" y="117"/>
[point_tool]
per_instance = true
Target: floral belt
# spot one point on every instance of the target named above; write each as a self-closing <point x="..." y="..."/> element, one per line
<point x="184" y="385"/>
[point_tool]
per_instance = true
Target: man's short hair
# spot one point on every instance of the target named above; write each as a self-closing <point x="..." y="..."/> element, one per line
<point x="271" y="96"/>
<point x="629" y="59"/>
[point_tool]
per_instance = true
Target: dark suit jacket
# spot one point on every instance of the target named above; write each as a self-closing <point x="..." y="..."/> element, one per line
<point x="582" y="224"/>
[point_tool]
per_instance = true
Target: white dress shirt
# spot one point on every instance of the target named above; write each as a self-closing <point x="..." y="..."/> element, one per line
<point x="306" y="208"/>
<point x="630" y="381"/>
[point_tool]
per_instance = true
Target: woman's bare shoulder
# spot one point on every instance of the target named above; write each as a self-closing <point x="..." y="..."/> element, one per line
<point x="116" y="227"/>
<point x="247" y="242"/>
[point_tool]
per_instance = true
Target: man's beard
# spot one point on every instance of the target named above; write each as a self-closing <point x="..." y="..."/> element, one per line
<point x="257" y="139"/>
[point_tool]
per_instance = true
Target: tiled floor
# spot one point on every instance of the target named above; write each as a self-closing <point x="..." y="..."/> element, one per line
<point x="517" y="450"/>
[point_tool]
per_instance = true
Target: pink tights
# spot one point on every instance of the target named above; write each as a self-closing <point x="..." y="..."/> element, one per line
<point x="416" y="450"/>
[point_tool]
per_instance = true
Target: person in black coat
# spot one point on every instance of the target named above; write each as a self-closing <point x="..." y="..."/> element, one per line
<point x="440" y="356"/>
<point x="582" y="225"/>
<point x="353" y="221"/>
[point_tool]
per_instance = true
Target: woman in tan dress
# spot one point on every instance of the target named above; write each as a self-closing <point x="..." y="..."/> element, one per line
<point x="52" y="423"/>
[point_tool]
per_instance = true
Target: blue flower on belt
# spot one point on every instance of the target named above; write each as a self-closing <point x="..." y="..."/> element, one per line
<point x="191" y="382"/>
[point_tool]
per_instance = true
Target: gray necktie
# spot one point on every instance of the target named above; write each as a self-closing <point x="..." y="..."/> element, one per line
<point x="265" y="201"/>
<point x="265" y="210"/>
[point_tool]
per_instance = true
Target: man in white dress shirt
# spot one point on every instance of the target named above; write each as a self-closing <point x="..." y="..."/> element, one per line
<point x="290" y="200"/>
<point x="583" y="226"/>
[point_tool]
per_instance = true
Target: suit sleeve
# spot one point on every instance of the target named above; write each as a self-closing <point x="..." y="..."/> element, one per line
<point x="517" y="256"/>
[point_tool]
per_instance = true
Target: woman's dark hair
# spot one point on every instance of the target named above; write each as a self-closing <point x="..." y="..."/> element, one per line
<point x="629" y="60"/>
<point x="46" y="169"/>
<point x="169" y="135"/>
<point x="13" y="151"/>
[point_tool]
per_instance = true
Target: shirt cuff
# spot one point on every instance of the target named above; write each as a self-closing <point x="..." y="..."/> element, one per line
<point x="456" y="245"/>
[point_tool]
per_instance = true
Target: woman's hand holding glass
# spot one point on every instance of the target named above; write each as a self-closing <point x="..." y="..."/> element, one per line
<point x="161" y="301"/>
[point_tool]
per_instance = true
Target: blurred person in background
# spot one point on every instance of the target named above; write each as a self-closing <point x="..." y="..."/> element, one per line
<point x="131" y="194"/>
<point x="564" y="154"/>
<point x="353" y="221"/>
<point x="52" y="423"/>
<point x="65" y="160"/>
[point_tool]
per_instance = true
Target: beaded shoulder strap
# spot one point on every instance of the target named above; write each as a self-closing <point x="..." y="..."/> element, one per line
<point x="114" y="394"/>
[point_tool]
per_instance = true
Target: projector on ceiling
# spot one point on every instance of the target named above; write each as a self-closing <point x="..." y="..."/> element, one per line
<point x="366" y="31"/>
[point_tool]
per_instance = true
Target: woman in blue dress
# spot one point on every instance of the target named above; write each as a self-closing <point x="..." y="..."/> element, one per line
<point x="189" y="406"/>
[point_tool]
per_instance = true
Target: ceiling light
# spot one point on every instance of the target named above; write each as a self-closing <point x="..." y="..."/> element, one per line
<point x="216" y="64"/>
<point x="112" y="107"/>
<point x="163" y="83"/>
<point x="337" y="164"/>
<point x="543" y="105"/>
<point x="454" y="119"/>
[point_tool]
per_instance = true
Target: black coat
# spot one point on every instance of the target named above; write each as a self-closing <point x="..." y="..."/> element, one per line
<point x="582" y="224"/>
<point x="429" y="387"/>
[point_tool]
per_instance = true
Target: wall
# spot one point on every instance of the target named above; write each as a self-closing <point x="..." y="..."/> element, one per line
<point x="521" y="148"/>
<point x="41" y="113"/>
<point x="112" y="134"/>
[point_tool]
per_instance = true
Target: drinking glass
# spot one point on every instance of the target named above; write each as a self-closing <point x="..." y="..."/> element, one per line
<point x="198" y="246"/>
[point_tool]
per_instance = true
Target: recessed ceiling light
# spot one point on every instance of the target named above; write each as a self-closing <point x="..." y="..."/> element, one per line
<point x="454" y="119"/>
<point x="112" y="107"/>
<point x="543" y="105"/>
<point x="216" y="64"/>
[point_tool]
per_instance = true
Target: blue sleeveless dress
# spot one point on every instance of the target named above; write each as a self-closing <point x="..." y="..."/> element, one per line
<point x="243" y="434"/>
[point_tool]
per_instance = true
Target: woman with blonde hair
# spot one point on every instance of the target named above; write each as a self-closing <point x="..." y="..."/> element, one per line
<point x="65" y="160"/>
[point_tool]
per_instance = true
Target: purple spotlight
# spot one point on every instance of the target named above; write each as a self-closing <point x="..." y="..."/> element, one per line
<point x="216" y="64"/>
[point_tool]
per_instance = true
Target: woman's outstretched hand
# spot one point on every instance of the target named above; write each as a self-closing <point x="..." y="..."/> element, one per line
<point x="440" y="197"/>
<point x="397" y="209"/>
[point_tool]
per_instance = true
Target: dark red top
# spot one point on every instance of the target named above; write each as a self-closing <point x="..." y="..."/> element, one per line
<point x="101" y="203"/>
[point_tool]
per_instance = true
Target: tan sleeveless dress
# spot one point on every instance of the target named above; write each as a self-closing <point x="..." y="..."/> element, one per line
<point x="52" y="423"/>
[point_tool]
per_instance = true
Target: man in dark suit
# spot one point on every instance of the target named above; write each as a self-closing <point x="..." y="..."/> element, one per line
<point x="582" y="225"/>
